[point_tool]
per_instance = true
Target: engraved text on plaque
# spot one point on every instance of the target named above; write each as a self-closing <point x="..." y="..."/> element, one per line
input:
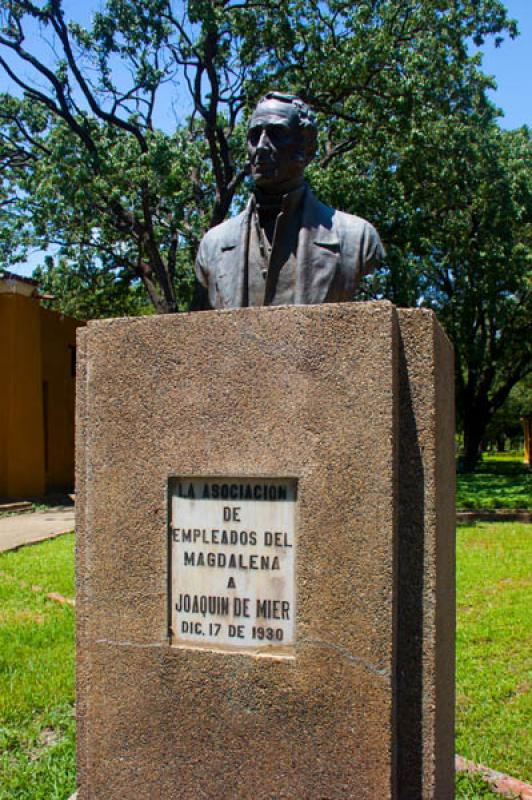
<point x="232" y="564"/>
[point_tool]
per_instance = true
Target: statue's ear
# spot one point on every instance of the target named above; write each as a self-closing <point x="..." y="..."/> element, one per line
<point x="310" y="145"/>
<point x="310" y="153"/>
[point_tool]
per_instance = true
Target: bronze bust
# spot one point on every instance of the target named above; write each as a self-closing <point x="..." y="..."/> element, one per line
<point x="286" y="247"/>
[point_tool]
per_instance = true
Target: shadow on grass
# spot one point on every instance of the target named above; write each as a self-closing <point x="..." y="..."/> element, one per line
<point x="495" y="484"/>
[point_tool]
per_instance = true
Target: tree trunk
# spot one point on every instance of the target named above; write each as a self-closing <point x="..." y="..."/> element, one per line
<point x="475" y="425"/>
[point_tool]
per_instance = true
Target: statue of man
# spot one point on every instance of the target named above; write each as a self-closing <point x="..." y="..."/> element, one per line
<point x="286" y="247"/>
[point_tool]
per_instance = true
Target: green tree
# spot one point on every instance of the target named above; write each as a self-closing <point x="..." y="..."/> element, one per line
<point x="86" y="291"/>
<point x="85" y="167"/>
<point x="454" y="204"/>
<point x="409" y="141"/>
<point x="482" y="288"/>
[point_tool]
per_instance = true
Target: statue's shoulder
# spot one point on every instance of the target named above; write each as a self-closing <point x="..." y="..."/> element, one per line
<point x="226" y="234"/>
<point x="349" y="225"/>
<point x="358" y="240"/>
<point x="352" y="224"/>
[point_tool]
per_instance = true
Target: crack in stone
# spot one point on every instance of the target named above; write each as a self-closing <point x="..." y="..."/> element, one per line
<point x="344" y="652"/>
<point x="116" y="643"/>
<point x="380" y="673"/>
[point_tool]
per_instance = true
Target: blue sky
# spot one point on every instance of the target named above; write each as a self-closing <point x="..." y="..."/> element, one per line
<point x="510" y="64"/>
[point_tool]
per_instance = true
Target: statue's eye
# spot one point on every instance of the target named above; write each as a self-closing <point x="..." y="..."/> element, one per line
<point x="278" y="134"/>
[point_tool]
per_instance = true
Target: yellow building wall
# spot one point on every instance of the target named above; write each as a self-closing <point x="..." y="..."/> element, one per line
<point x="36" y="398"/>
<point x="21" y="416"/>
<point x="527" y="430"/>
<point x="58" y="343"/>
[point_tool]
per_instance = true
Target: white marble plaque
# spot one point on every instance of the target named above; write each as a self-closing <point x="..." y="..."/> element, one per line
<point x="232" y="563"/>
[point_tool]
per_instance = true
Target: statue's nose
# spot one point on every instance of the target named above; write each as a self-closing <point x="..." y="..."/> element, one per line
<point x="264" y="142"/>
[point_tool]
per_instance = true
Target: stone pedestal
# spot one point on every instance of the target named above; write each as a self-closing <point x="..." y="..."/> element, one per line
<point x="331" y="429"/>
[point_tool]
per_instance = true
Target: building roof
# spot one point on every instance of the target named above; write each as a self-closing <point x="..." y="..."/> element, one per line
<point x="11" y="283"/>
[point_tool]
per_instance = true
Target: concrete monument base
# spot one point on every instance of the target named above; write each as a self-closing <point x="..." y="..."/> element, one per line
<point x="266" y="555"/>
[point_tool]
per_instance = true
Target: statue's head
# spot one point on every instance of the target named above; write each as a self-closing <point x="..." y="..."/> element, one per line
<point x="282" y="138"/>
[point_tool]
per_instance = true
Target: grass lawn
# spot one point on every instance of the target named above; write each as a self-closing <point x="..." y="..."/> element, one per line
<point x="37" y="725"/>
<point x="494" y="646"/>
<point x="494" y="661"/>
<point x="500" y="481"/>
<point x="472" y="787"/>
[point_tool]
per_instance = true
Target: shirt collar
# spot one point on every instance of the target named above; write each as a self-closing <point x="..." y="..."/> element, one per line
<point x="287" y="203"/>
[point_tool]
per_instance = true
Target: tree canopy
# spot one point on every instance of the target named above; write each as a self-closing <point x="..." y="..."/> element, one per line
<point x="408" y="140"/>
<point x="86" y="167"/>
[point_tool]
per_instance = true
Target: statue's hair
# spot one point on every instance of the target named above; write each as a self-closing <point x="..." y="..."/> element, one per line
<point x="305" y="116"/>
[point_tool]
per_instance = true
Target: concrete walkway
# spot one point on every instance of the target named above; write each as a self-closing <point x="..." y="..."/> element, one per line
<point x="28" y="528"/>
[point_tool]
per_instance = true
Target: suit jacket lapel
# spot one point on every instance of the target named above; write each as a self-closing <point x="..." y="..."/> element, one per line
<point x="232" y="270"/>
<point x="318" y="252"/>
